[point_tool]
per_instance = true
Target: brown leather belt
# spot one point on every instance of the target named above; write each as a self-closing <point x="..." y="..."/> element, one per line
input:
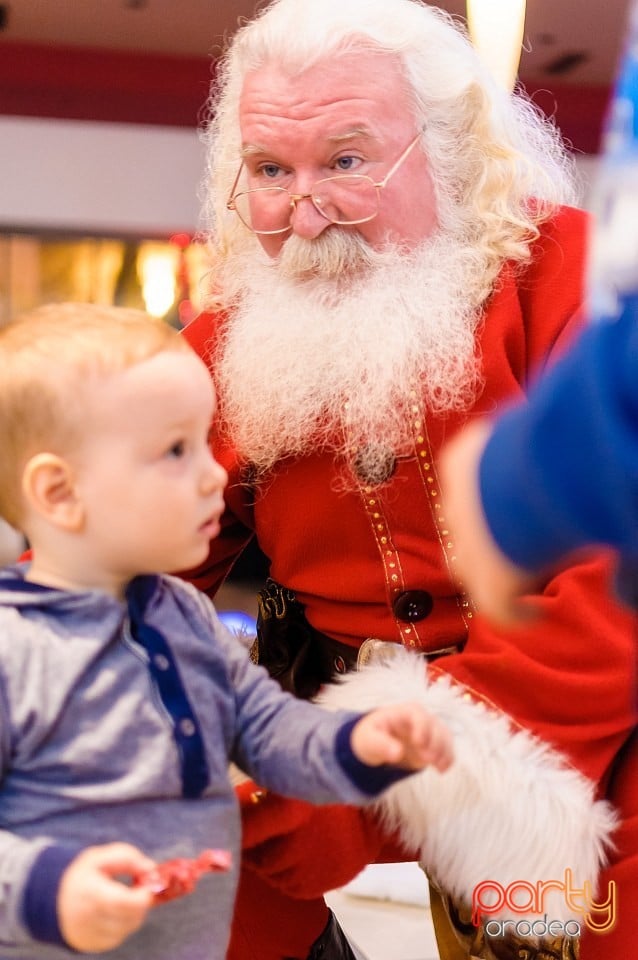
<point x="339" y="658"/>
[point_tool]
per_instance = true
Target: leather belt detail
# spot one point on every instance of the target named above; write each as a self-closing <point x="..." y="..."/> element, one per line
<point x="302" y="658"/>
<point x="373" y="651"/>
<point x="338" y="657"/>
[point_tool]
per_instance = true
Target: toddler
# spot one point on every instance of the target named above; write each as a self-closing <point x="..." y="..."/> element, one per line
<point x="122" y="697"/>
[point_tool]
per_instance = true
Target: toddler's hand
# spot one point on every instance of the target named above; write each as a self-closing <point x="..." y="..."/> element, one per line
<point x="403" y="734"/>
<point x="96" y="912"/>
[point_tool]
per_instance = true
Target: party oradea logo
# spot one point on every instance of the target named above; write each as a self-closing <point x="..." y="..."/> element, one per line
<point x="596" y="912"/>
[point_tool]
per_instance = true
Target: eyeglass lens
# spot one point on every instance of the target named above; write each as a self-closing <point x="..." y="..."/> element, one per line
<point x="339" y="199"/>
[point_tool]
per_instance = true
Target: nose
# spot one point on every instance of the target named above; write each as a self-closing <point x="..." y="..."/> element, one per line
<point x="305" y="220"/>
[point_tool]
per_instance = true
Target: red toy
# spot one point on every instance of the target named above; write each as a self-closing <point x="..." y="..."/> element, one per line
<point x="177" y="878"/>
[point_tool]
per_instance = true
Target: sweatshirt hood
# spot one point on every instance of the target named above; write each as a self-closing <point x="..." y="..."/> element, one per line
<point x="23" y="594"/>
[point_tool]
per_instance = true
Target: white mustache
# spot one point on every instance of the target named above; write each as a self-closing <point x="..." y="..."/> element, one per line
<point x="334" y="253"/>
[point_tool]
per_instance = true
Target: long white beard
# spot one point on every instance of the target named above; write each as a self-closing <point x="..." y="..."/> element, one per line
<point x="331" y="345"/>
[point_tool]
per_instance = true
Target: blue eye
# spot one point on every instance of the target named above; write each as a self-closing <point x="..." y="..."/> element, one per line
<point x="346" y="164"/>
<point x="177" y="450"/>
<point x="270" y="170"/>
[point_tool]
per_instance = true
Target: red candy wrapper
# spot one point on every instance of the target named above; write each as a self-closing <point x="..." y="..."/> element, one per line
<point x="177" y="878"/>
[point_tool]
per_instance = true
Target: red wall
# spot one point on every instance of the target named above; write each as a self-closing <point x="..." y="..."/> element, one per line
<point x="121" y="86"/>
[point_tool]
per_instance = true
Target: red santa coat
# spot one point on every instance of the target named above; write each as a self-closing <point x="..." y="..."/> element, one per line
<point x="355" y="557"/>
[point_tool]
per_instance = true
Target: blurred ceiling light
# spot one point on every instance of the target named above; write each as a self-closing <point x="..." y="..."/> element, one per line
<point x="157" y="268"/>
<point x="496" y="28"/>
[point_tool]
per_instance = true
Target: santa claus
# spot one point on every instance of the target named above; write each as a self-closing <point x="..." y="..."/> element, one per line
<point x="395" y="250"/>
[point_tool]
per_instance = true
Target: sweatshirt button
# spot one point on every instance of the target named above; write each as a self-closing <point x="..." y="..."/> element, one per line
<point x="187" y="727"/>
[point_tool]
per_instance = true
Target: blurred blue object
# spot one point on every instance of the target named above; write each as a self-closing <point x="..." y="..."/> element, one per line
<point x="238" y="622"/>
<point x="614" y="255"/>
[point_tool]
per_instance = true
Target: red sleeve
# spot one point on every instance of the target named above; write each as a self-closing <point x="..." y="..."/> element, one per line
<point x="569" y="677"/>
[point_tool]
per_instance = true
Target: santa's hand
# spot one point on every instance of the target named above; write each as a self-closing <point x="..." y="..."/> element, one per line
<point x="97" y="912"/>
<point x="402" y="734"/>
<point x="304" y="850"/>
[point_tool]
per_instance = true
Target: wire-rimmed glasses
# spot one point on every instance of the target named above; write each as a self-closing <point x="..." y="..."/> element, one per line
<point x="346" y="199"/>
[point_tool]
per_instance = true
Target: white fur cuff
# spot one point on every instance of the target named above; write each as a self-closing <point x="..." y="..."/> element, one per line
<point x="510" y="810"/>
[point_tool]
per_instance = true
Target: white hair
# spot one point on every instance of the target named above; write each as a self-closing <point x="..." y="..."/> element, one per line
<point x="499" y="166"/>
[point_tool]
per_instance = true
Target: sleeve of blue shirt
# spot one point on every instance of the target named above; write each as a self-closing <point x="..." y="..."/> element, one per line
<point x="561" y="471"/>
<point x="40" y="896"/>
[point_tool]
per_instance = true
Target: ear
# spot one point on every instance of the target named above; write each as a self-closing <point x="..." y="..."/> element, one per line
<point x="48" y="485"/>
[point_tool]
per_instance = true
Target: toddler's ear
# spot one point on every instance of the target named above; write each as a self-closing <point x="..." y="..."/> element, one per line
<point x="48" y="485"/>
